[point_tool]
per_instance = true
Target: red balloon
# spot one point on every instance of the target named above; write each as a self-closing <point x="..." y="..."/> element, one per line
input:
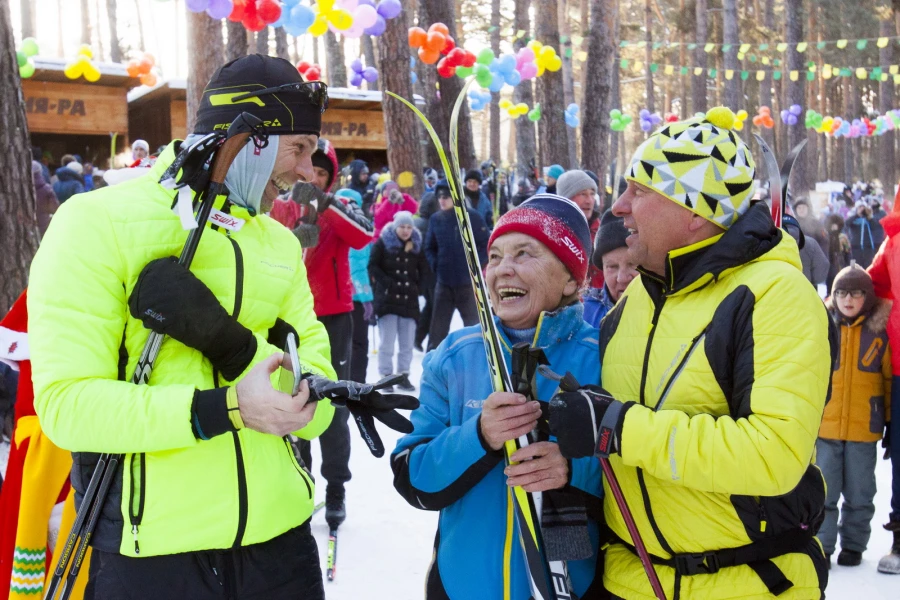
<point x="456" y="57"/>
<point x="303" y="66"/>
<point x="416" y="37"/>
<point x="449" y="46"/>
<point x="254" y="23"/>
<point x="239" y="11"/>
<point x="469" y="59"/>
<point x="440" y="28"/>
<point x="313" y="74"/>
<point x="428" y="57"/>
<point x="444" y="69"/>
<point x="435" y="42"/>
<point x="268" y="10"/>
<point x="671" y="118"/>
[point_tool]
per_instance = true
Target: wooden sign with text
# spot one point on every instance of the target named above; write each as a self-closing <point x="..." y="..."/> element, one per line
<point x="52" y="107"/>
<point x="354" y="129"/>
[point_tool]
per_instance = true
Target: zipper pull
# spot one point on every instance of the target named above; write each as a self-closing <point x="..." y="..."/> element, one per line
<point x="134" y="532"/>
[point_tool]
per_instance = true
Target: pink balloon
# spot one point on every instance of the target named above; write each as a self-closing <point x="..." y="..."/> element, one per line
<point x="525" y="55"/>
<point x="355" y="31"/>
<point x="365" y="16"/>
<point x="349" y="5"/>
<point x="528" y="71"/>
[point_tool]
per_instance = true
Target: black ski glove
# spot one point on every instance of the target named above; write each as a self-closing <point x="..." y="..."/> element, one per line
<point x="307" y="234"/>
<point x="170" y="300"/>
<point x="587" y="422"/>
<point x="304" y="193"/>
<point x="366" y="404"/>
<point x="886" y="441"/>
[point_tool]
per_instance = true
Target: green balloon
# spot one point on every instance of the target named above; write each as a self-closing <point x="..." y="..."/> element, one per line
<point x="21" y="59"/>
<point x="463" y="72"/>
<point x="535" y="113"/>
<point x="615" y="113"/>
<point x="26" y="70"/>
<point x="485" y="57"/>
<point x="483" y="75"/>
<point x="30" y="46"/>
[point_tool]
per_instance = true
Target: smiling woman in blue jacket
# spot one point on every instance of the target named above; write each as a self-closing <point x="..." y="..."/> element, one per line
<point x="453" y="460"/>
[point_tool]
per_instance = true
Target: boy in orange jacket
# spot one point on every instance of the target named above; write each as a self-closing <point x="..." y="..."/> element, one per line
<point x="856" y="416"/>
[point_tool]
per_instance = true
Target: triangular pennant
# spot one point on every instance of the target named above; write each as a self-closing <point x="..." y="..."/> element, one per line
<point x="882" y="42"/>
<point x="861" y="44"/>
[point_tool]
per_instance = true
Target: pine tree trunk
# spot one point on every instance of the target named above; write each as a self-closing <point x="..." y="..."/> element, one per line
<point x="85" y="23"/>
<point x="27" y="11"/>
<point x="796" y="90"/>
<point x="435" y="106"/>
<point x="115" y="46"/>
<point x="565" y="53"/>
<point x="616" y="139"/>
<point x="698" y="82"/>
<point x="262" y="41"/>
<point x="368" y="49"/>
<point x="400" y="124"/>
<point x="845" y="141"/>
<point x="552" y="126"/>
<point x="495" y="98"/>
<point x="596" y="151"/>
<point x="237" y="41"/>
<point x="524" y="92"/>
<point x="733" y="98"/>
<point x="888" y="171"/>
<point x="648" y="59"/>
<point x="334" y="60"/>
<point x="442" y="11"/>
<point x="206" y="54"/>
<point x="18" y="227"/>
<point x="281" y="44"/>
<point x="682" y="60"/>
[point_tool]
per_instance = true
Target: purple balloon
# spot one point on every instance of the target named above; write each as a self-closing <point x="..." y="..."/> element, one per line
<point x="796" y="109"/>
<point x="370" y="74"/>
<point x="646" y="126"/>
<point x="366" y="2"/>
<point x="644" y="114"/>
<point x="197" y="5"/>
<point x="356" y="79"/>
<point x="792" y="119"/>
<point x="378" y="28"/>
<point x="389" y="8"/>
<point x="356" y="65"/>
<point x="219" y="9"/>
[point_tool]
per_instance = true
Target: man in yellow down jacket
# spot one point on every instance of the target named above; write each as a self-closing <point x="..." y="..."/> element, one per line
<point x="209" y="501"/>
<point x="716" y="369"/>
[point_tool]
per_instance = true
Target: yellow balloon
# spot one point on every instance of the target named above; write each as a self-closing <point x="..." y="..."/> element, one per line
<point x="92" y="74"/>
<point x="319" y="26"/>
<point x="85" y="50"/>
<point x="540" y="70"/>
<point x="554" y="64"/>
<point x="72" y="71"/>
<point x="546" y="52"/>
<point x="341" y="19"/>
<point x="505" y="104"/>
<point x="738" y="125"/>
<point x="325" y="6"/>
<point x="535" y="46"/>
<point x="742" y="115"/>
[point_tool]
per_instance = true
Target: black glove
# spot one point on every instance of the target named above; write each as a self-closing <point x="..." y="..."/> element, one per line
<point x="304" y="194"/>
<point x="307" y="234"/>
<point x="587" y="422"/>
<point x="170" y="300"/>
<point x="366" y="404"/>
<point x="886" y="441"/>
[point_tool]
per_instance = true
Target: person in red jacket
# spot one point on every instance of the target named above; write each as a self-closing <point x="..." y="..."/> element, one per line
<point x="389" y="202"/>
<point x="328" y="236"/>
<point x="885" y="273"/>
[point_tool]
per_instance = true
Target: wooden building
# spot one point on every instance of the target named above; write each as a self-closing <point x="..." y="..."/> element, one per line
<point x="73" y="116"/>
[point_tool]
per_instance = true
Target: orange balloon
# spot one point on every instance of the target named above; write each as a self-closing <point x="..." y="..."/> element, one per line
<point x="145" y="65"/>
<point x="148" y="79"/>
<point x="765" y="110"/>
<point x="417" y="37"/>
<point x="428" y="57"/>
<point x="435" y="41"/>
<point x="440" y="28"/>
<point x="133" y="69"/>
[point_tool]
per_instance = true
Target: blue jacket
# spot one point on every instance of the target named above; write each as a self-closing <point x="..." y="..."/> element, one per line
<point x="444" y="248"/>
<point x="442" y="464"/>
<point x="359" y="273"/>
<point x="484" y="208"/>
<point x="596" y="305"/>
<point x="67" y="185"/>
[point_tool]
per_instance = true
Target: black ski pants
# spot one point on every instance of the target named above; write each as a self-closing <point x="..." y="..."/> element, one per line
<point x="335" y="441"/>
<point x="284" y="568"/>
<point x="424" y="324"/>
<point x="446" y="300"/>
<point x="359" y="359"/>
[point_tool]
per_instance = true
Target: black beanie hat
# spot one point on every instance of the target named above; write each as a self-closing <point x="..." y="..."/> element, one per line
<point x="295" y="110"/>
<point x="852" y="278"/>
<point x="611" y="235"/>
<point x="473" y="174"/>
<point x="321" y="159"/>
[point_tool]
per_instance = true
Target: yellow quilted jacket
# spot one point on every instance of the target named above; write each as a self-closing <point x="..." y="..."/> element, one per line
<point x="174" y="493"/>
<point x="728" y="359"/>
<point x="861" y="386"/>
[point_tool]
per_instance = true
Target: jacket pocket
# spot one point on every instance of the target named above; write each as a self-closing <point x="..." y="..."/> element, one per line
<point x="303" y="473"/>
<point x="876" y="414"/>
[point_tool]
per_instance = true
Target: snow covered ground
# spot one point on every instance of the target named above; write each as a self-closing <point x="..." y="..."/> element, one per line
<point x="384" y="547"/>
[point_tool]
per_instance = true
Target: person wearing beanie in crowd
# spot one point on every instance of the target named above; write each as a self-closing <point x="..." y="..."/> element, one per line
<point x="553" y="174"/>
<point x="69" y="179"/>
<point x="581" y="189"/>
<point x="361" y="184"/>
<point x="45" y="202"/>
<point x="610" y="254"/>
<point x="429" y="178"/>
<point x="859" y="229"/>
<point x="476" y="199"/>
<point x="857" y="415"/>
<point x="429" y="206"/>
<point x="812" y="257"/>
<point x="209" y="490"/>
<point x="398" y="267"/>
<point x="715" y="369"/>
<point x="339" y="225"/>
<point x="390" y="200"/>
<point x="453" y="459"/>
<point x="140" y="150"/>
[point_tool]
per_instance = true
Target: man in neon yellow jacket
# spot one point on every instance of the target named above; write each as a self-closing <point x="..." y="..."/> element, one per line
<point x="210" y="499"/>
<point x="716" y="368"/>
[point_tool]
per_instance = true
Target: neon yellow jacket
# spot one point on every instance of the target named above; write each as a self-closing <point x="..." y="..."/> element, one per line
<point x="174" y="493"/>
<point x="729" y="354"/>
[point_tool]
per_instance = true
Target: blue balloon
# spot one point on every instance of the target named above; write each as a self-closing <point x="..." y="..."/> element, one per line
<point x="356" y="79"/>
<point x="302" y="17"/>
<point x="378" y="28"/>
<point x="506" y="63"/>
<point x="412" y="62"/>
<point x="514" y="78"/>
<point x="293" y="30"/>
<point x="291" y="4"/>
<point x="413" y="77"/>
<point x="496" y="84"/>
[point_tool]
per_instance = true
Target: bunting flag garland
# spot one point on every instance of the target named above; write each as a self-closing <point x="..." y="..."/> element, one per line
<point x="828" y="71"/>
<point x="860" y="44"/>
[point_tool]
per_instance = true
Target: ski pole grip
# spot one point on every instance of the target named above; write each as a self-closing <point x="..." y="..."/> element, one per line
<point x="239" y="132"/>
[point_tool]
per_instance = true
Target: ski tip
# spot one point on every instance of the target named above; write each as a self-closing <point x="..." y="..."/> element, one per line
<point x="330" y="574"/>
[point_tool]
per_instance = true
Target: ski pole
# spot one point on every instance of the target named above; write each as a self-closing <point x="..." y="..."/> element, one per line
<point x="229" y="145"/>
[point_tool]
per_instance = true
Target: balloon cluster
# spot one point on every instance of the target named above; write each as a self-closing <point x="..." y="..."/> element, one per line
<point x="143" y="69"/>
<point x="813" y="120"/>
<point x="525" y="64"/>
<point x="791" y="116"/>
<point x="572" y="119"/>
<point x="514" y="110"/>
<point x="503" y="72"/>
<point x="619" y="121"/>
<point x="360" y="73"/>
<point x="648" y="120"/>
<point x="479" y="99"/>
<point x="350" y="18"/>
<point x="456" y="59"/>
<point x="764" y="118"/>
<point x="432" y="43"/>
<point x="28" y="49"/>
<point x="216" y="9"/>
<point x="545" y="57"/>
<point x="739" y="118"/>
<point x="255" y="15"/>
<point x="535" y="113"/>
<point x="671" y="118"/>
<point x="83" y="65"/>
<point x="310" y="71"/>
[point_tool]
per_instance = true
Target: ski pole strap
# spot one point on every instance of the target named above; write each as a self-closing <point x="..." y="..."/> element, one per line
<point x="756" y="555"/>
